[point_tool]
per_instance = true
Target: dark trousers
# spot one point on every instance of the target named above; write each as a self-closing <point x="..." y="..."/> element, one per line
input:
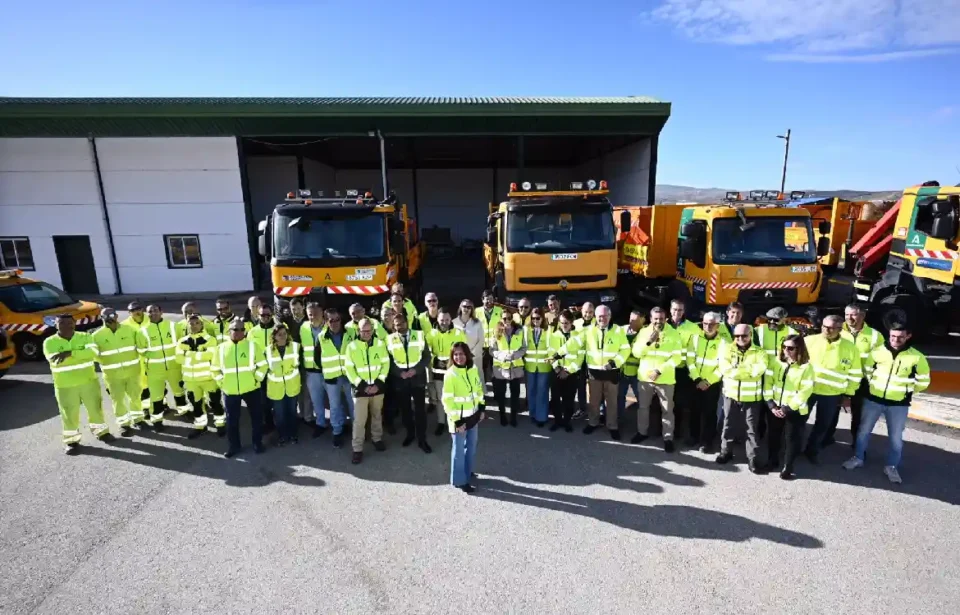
<point x="735" y="412"/>
<point x="555" y="409"/>
<point x="266" y="408"/>
<point x="409" y="400"/>
<point x="682" y="413"/>
<point x="582" y="389"/>
<point x="565" y="392"/>
<point x="252" y="399"/>
<point x="500" y="394"/>
<point x="703" y="414"/>
<point x="390" y="403"/>
<point x="793" y="425"/>
<point x="856" y="411"/>
<point x="828" y="406"/>
<point x="285" y="416"/>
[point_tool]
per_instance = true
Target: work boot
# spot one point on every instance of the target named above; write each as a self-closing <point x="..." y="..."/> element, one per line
<point x="440" y="430"/>
<point x="638" y="438"/>
<point x="589" y="429"/>
<point x="425" y="447"/>
<point x="615" y="435"/>
<point x="390" y="429"/>
<point x="126" y="431"/>
<point x="503" y="418"/>
<point x="409" y="439"/>
<point x="318" y="430"/>
<point x="72" y="449"/>
<point x="724" y="458"/>
<point x="107" y="437"/>
<point x="196" y="433"/>
<point x="357" y="458"/>
<point x="158" y="427"/>
<point x="668" y="446"/>
<point x="337" y="440"/>
<point x="379" y="446"/>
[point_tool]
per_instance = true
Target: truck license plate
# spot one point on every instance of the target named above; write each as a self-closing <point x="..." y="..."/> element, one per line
<point x="564" y="257"/>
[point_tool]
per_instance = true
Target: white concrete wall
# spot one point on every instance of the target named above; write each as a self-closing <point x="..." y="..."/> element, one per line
<point x="191" y="186"/>
<point x="48" y="187"/>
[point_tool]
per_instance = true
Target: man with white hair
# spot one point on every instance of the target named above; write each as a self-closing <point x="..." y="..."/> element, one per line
<point x="742" y="367"/>
<point x="703" y="352"/>
<point x="585" y="321"/>
<point x="606" y="350"/>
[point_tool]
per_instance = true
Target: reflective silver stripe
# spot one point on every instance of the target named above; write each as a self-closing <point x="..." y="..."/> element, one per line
<point x="107" y="368"/>
<point x="107" y="353"/>
<point x="70" y="368"/>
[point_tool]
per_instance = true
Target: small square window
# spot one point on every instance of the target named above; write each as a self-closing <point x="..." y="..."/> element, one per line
<point x="183" y="251"/>
<point x="15" y="253"/>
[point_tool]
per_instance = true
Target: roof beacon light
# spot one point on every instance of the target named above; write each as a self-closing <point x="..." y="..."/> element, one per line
<point x="797" y="194"/>
<point x="304" y="194"/>
<point x="541" y="186"/>
<point x="591" y="184"/>
<point x="732" y="196"/>
<point x="576" y="185"/>
<point x="353" y="193"/>
<point x="771" y="195"/>
<point x="756" y="195"/>
<point x="513" y="186"/>
<point x="526" y="186"/>
<point x="603" y="184"/>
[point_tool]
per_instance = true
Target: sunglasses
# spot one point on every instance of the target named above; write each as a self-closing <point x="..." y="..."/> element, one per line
<point x="743" y="335"/>
<point x="789" y="348"/>
<point x="334" y="320"/>
<point x="431" y="300"/>
<point x="536" y="318"/>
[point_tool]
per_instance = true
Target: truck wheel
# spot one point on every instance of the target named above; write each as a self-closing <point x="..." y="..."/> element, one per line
<point x="2" y="372"/>
<point x="900" y="308"/>
<point x="29" y="347"/>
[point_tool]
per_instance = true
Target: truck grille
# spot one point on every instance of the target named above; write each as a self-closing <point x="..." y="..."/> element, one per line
<point x="768" y="296"/>
<point x="572" y="279"/>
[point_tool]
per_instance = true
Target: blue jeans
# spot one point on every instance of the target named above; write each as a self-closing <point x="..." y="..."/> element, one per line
<point x="285" y="415"/>
<point x="827" y="408"/>
<point x="896" y="418"/>
<point x="627" y="383"/>
<point x="318" y="396"/>
<point x="336" y="392"/>
<point x="538" y="396"/>
<point x="462" y="452"/>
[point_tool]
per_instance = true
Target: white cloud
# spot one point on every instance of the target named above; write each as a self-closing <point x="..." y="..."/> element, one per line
<point x="829" y="30"/>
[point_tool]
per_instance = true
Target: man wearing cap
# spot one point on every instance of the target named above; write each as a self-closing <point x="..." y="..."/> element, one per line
<point x="71" y="356"/>
<point x="239" y="366"/>
<point x="115" y="348"/>
<point x="157" y="345"/>
<point x="135" y="320"/>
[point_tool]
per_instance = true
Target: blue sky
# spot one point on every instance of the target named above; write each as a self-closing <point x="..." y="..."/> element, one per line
<point x="869" y="87"/>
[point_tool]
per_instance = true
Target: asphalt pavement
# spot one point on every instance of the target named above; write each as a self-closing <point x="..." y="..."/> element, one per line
<point x="561" y="523"/>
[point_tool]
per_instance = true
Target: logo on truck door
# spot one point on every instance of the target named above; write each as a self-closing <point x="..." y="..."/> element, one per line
<point x="563" y="257"/>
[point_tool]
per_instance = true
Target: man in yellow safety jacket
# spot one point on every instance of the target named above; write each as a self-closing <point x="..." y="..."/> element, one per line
<point x="567" y="363"/>
<point x="239" y="366"/>
<point x="157" y="345"/>
<point x="703" y="361"/>
<point x="135" y="321"/>
<point x="367" y="363"/>
<point x="220" y="327"/>
<point x="187" y="310"/>
<point x="427" y="320"/>
<point x="606" y="350"/>
<point x="683" y="389"/>
<point x="439" y="341"/>
<point x="398" y="300"/>
<point x="115" y="347"/>
<point x="660" y="351"/>
<point x="71" y="356"/>
<point x="742" y="367"/>
<point x="488" y="315"/>
<point x="866" y="339"/>
<point x="195" y="353"/>
<point x="408" y="372"/>
<point x="896" y="371"/>
<point x="837" y="373"/>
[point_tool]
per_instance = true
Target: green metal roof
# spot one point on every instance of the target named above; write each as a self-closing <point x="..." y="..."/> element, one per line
<point x="330" y="116"/>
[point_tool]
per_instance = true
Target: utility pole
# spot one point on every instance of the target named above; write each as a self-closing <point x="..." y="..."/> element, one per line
<point x="786" y="154"/>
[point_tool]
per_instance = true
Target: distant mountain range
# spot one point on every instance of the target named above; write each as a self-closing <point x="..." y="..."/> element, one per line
<point x="669" y="193"/>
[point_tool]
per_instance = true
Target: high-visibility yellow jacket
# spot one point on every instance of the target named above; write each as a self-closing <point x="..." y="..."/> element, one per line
<point x="157" y="345"/>
<point x="261" y="335"/>
<point x="116" y="351"/>
<point x="789" y="384"/>
<point x="537" y="358"/>
<point x="703" y="357"/>
<point x="507" y="369"/>
<point x="895" y="377"/>
<point x="743" y="372"/>
<point x="331" y="357"/>
<point x="220" y="327"/>
<point x="409" y="309"/>
<point x="308" y="344"/>
<point x="183" y="328"/>
<point x="406" y="355"/>
<point x="133" y="324"/>
<point x="195" y="354"/>
<point x="425" y="323"/>
<point x="77" y="369"/>
<point x="836" y="366"/>
<point x="489" y="322"/>
<point x="379" y="331"/>
<point x="239" y="367"/>
<point x="686" y="329"/>
<point x="664" y="356"/>
<point x="770" y="340"/>
<point x="866" y="341"/>
<point x="601" y="346"/>
<point x="283" y="371"/>
<point x="568" y="350"/>
<point x="462" y="394"/>
<point x="440" y="343"/>
<point x="367" y="363"/>
<point x="631" y="365"/>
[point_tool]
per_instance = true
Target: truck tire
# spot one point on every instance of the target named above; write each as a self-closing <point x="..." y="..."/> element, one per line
<point x="29" y="347"/>
<point x="901" y="308"/>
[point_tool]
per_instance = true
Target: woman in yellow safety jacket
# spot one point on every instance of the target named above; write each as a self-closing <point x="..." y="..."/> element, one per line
<point x="463" y="404"/>
<point x="789" y="383"/>
<point x="283" y="382"/>
<point x="508" y="349"/>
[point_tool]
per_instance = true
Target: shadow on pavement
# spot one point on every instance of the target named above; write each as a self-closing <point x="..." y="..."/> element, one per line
<point x="664" y="520"/>
<point x="25" y="403"/>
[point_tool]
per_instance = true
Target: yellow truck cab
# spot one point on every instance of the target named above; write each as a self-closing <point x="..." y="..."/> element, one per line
<point x="337" y="250"/>
<point x="761" y="252"/>
<point x="921" y="282"/>
<point x="542" y="242"/>
<point x="29" y="310"/>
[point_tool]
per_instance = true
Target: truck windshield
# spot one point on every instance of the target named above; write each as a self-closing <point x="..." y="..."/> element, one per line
<point x="33" y="297"/>
<point x="332" y="238"/>
<point x="560" y="231"/>
<point x="771" y="241"/>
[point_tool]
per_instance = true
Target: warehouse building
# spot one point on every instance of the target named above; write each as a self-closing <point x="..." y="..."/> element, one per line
<point x="164" y="195"/>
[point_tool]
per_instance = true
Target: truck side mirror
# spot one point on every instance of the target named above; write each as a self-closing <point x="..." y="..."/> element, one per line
<point x="824" y="227"/>
<point x="695" y="251"/>
<point x="624" y="221"/>
<point x="823" y="246"/>
<point x="491" y="236"/>
<point x="262" y="228"/>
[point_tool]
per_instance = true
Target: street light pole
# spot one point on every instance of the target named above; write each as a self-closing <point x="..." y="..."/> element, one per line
<point x="786" y="154"/>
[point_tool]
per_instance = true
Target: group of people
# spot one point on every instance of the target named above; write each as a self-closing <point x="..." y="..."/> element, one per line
<point x="719" y="375"/>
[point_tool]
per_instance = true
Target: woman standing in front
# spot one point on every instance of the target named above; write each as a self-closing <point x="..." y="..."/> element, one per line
<point x="507" y="349"/>
<point x="537" y="365"/>
<point x="790" y="381"/>
<point x="463" y="403"/>
<point x="283" y="382"/>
